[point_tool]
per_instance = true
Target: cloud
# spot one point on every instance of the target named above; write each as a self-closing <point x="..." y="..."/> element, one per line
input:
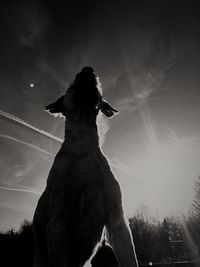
<point x="103" y="128"/>
<point x="45" y="67"/>
<point x="127" y="104"/>
<point x="119" y="165"/>
<point x="28" y="23"/>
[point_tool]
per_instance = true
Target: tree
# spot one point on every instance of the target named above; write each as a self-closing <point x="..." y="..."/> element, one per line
<point x="17" y="247"/>
<point x="193" y="223"/>
<point x="150" y="238"/>
<point x="195" y="213"/>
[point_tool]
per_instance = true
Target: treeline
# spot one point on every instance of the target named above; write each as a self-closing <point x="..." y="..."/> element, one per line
<point x="168" y="241"/>
<point x="17" y="248"/>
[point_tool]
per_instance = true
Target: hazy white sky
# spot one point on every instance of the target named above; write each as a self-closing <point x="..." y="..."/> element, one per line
<point x="147" y="56"/>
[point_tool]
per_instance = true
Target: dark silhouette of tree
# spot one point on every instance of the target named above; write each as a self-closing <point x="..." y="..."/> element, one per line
<point x="17" y="247"/>
<point x="195" y="213"/>
<point x="152" y="240"/>
<point x="149" y="238"/>
<point x="158" y="242"/>
<point x="193" y="223"/>
<point x="179" y="248"/>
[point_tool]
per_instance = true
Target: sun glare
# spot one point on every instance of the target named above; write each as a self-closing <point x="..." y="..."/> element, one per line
<point x="164" y="176"/>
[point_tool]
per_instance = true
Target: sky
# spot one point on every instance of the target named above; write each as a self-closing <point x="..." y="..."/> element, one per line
<point x="147" y="56"/>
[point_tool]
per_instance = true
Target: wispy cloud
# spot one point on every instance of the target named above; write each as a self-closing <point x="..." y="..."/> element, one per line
<point x="43" y="66"/>
<point x="144" y="85"/>
<point x="119" y="165"/>
<point x="103" y="128"/>
<point x="30" y="23"/>
<point x="127" y="105"/>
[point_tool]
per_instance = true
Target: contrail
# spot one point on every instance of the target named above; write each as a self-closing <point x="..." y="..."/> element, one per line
<point x="27" y="144"/>
<point x="51" y="136"/>
<point x="15" y="119"/>
<point x="55" y="138"/>
<point x="36" y="192"/>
